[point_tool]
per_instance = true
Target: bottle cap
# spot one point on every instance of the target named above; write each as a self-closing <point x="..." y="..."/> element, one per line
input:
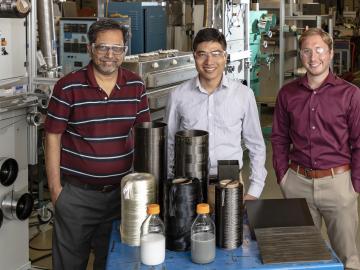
<point x="202" y="208"/>
<point x="153" y="209"/>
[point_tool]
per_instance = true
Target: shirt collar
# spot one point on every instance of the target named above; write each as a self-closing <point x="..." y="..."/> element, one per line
<point x="330" y="79"/>
<point x="223" y="84"/>
<point x="91" y="76"/>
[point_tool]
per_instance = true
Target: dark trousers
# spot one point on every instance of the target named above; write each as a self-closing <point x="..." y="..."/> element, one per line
<point x="83" y="220"/>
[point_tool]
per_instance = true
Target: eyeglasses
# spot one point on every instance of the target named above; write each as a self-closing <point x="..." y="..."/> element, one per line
<point x="104" y="48"/>
<point x="202" y="55"/>
<point x="307" y="52"/>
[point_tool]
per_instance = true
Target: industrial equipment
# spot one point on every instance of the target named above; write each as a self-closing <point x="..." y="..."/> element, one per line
<point x="73" y="43"/>
<point x="161" y="71"/>
<point x="148" y="23"/>
<point x="18" y="135"/>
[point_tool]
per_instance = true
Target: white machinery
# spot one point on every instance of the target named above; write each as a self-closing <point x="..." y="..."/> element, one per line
<point x="18" y="121"/>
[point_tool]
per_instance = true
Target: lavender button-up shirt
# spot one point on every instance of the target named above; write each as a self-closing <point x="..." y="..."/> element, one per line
<point x="317" y="128"/>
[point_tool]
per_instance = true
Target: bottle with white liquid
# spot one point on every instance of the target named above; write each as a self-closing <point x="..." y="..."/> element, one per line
<point x="152" y="239"/>
<point x="203" y="236"/>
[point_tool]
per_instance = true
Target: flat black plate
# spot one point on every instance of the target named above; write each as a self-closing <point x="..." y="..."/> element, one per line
<point x="291" y="244"/>
<point x="272" y="213"/>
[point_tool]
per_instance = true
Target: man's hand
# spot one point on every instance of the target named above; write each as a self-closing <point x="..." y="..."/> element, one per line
<point x="249" y="197"/>
<point x="54" y="194"/>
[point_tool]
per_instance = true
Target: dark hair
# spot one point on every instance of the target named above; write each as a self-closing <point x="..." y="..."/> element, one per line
<point x="209" y="34"/>
<point x="105" y="24"/>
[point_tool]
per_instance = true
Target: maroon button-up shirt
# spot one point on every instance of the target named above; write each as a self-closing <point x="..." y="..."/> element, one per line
<point x="318" y="129"/>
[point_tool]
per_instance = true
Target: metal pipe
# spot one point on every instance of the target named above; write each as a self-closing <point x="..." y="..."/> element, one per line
<point x="46" y="26"/>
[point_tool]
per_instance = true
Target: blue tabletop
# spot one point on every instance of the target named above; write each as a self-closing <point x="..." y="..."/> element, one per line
<point x="247" y="256"/>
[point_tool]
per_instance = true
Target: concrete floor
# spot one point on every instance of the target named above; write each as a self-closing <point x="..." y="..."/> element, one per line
<point x="42" y="240"/>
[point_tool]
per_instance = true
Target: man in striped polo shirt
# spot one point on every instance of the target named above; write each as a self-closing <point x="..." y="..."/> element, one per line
<point x="89" y="146"/>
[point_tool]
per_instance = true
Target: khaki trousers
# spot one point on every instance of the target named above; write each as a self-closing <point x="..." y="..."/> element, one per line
<point x="334" y="199"/>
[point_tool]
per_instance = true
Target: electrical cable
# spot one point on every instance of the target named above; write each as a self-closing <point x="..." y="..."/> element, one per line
<point x="181" y="198"/>
<point x="137" y="191"/>
<point x="229" y="214"/>
<point x="41" y="258"/>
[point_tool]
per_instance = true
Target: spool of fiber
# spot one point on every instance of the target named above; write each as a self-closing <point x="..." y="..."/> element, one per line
<point x="150" y="154"/>
<point x="182" y="196"/>
<point x="192" y="156"/>
<point x="229" y="214"/>
<point x="137" y="191"/>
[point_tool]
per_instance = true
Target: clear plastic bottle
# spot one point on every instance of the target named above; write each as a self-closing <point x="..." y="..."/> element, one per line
<point x="152" y="238"/>
<point x="203" y="236"/>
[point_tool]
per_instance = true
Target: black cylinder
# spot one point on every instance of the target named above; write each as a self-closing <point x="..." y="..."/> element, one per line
<point x="192" y="156"/>
<point x="229" y="214"/>
<point x="182" y="196"/>
<point x="150" y="154"/>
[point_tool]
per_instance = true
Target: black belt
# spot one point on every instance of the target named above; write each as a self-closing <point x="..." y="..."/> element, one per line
<point x="101" y="188"/>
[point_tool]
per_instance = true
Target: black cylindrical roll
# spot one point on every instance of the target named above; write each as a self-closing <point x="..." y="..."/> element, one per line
<point x="182" y="196"/>
<point x="229" y="214"/>
<point x="192" y="156"/>
<point x="150" y="154"/>
<point x="9" y="169"/>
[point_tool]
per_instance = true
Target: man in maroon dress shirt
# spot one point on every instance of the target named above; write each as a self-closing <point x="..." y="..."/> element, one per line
<point x="316" y="144"/>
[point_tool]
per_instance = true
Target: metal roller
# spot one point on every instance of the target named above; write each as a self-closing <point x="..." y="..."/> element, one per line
<point x="14" y="8"/>
<point x="8" y="171"/>
<point x="34" y="118"/>
<point x="17" y="206"/>
<point x="192" y="156"/>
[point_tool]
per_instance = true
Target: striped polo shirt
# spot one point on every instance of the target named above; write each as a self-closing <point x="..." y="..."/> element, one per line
<point x="97" y="141"/>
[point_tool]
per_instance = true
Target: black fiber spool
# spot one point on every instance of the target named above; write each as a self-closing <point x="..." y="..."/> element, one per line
<point x="150" y="154"/>
<point x="182" y="196"/>
<point x="192" y="156"/>
<point x="229" y="214"/>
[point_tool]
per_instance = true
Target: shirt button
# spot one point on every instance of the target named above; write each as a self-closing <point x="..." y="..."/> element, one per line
<point x="105" y="98"/>
<point x="315" y="163"/>
<point x="313" y="109"/>
<point x="315" y="93"/>
<point x="313" y="127"/>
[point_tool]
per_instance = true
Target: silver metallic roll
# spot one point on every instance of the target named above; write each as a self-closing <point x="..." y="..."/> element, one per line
<point x="16" y="205"/>
<point x="9" y="169"/>
<point x="33" y="119"/>
<point x="137" y="191"/>
<point x="150" y="155"/>
<point x="192" y="156"/>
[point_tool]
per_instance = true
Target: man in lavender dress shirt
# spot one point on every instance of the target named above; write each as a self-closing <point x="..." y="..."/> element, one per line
<point x="316" y="144"/>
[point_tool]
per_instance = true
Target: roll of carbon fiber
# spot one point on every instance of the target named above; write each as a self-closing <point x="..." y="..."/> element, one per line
<point x="150" y="154"/>
<point x="182" y="196"/>
<point x="229" y="214"/>
<point x="192" y="156"/>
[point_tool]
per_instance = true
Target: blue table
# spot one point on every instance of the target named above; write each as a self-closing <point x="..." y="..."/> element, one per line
<point x="247" y="256"/>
